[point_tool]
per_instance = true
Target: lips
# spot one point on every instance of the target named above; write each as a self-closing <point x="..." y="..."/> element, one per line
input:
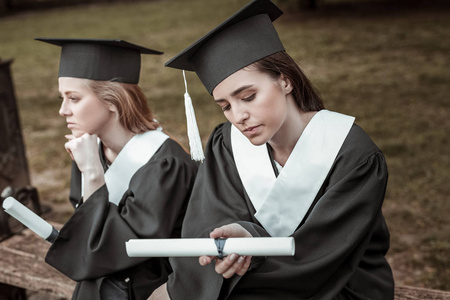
<point x="252" y="128"/>
<point x="251" y="131"/>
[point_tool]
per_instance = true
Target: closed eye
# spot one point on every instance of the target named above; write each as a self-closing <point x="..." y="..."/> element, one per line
<point x="249" y="98"/>
<point x="224" y="105"/>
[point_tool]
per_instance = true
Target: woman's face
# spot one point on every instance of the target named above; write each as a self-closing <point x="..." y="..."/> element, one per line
<point x="254" y="102"/>
<point x="83" y="110"/>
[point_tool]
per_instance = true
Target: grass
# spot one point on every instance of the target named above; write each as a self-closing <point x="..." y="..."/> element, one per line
<point x="387" y="64"/>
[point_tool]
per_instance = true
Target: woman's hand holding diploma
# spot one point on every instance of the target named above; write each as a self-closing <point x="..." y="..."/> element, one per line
<point x="234" y="263"/>
<point x="84" y="151"/>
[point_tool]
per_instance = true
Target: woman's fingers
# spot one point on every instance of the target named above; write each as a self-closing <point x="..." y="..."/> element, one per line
<point x="205" y="260"/>
<point x="244" y="266"/>
<point x="69" y="136"/>
<point x="233" y="263"/>
<point x="230" y="265"/>
<point x="84" y="151"/>
<point x="230" y="230"/>
<point x="67" y="146"/>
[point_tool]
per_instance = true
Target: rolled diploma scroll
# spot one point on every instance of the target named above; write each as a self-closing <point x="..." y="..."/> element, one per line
<point x="257" y="246"/>
<point x="31" y="220"/>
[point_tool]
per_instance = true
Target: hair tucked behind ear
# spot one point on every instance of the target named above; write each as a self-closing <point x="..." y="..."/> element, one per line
<point x="131" y="103"/>
<point x="304" y="93"/>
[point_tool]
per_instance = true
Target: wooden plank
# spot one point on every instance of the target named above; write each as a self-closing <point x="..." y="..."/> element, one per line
<point x="22" y="264"/>
<point x="414" y="293"/>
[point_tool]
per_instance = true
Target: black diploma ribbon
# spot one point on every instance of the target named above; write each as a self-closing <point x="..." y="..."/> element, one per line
<point x="52" y="237"/>
<point x="220" y="244"/>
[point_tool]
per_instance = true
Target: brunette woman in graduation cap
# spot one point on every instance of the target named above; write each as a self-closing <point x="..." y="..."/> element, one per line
<point x="129" y="179"/>
<point x="282" y="166"/>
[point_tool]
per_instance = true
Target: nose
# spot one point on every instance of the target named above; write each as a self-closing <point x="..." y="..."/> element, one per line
<point x="64" y="109"/>
<point x="241" y="114"/>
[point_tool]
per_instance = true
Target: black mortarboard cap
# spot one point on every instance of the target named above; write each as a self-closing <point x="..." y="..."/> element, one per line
<point x="243" y="39"/>
<point x="100" y="59"/>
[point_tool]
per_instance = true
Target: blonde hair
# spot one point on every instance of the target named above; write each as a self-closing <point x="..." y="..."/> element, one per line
<point x="132" y="108"/>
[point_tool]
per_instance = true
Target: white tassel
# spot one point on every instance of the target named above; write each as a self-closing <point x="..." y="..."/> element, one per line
<point x="195" y="142"/>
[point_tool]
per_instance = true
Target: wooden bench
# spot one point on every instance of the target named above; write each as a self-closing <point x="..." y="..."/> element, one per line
<point x="22" y="265"/>
<point x="414" y="293"/>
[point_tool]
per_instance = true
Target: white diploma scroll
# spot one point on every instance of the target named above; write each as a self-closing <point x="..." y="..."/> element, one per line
<point x="257" y="246"/>
<point x="28" y="218"/>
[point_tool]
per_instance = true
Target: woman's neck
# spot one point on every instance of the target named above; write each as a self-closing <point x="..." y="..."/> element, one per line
<point x="114" y="141"/>
<point x="284" y="141"/>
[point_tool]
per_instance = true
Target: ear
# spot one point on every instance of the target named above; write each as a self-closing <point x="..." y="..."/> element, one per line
<point x="285" y="84"/>
<point x="112" y="108"/>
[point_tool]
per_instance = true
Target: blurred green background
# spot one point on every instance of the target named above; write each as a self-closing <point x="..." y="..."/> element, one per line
<point x="386" y="63"/>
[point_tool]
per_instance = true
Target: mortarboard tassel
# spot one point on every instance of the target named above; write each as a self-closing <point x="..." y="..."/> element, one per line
<point x="195" y="142"/>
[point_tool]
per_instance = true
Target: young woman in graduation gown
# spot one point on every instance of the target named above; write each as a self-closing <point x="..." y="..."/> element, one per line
<point x="129" y="179"/>
<point x="281" y="166"/>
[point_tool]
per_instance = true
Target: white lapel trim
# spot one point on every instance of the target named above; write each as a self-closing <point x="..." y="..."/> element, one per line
<point x="302" y="176"/>
<point x="136" y="153"/>
<point x="255" y="170"/>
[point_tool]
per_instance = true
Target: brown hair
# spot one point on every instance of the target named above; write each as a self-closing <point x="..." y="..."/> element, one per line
<point x="305" y="95"/>
<point x="131" y="103"/>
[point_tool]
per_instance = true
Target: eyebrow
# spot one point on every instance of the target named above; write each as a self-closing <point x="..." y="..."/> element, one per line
<point x="66" y="92"/>
<point x="236" y="92"/>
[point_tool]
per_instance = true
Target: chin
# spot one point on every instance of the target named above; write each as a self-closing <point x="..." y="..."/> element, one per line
<point x="257" y="141"/>
<point x="77" y="133"/>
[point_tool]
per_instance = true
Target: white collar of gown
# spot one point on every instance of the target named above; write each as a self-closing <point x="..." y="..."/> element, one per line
<point x="136" y="153"/>
<point x="282" y="202"/>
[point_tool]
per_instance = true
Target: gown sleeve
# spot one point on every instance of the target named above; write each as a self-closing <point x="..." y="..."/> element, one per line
<point x="92" y="243"/>
<point x="75" y="186"/>
<point x="330" y="242"/>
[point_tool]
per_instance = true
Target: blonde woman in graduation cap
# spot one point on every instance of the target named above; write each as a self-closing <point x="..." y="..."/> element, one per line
<point x="282" y="166"/>
<point x="129" y="179"/>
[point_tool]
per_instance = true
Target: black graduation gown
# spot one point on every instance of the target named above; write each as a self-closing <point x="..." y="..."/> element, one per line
<point x="91" y="245"/>
<point x="340" y="244"/>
